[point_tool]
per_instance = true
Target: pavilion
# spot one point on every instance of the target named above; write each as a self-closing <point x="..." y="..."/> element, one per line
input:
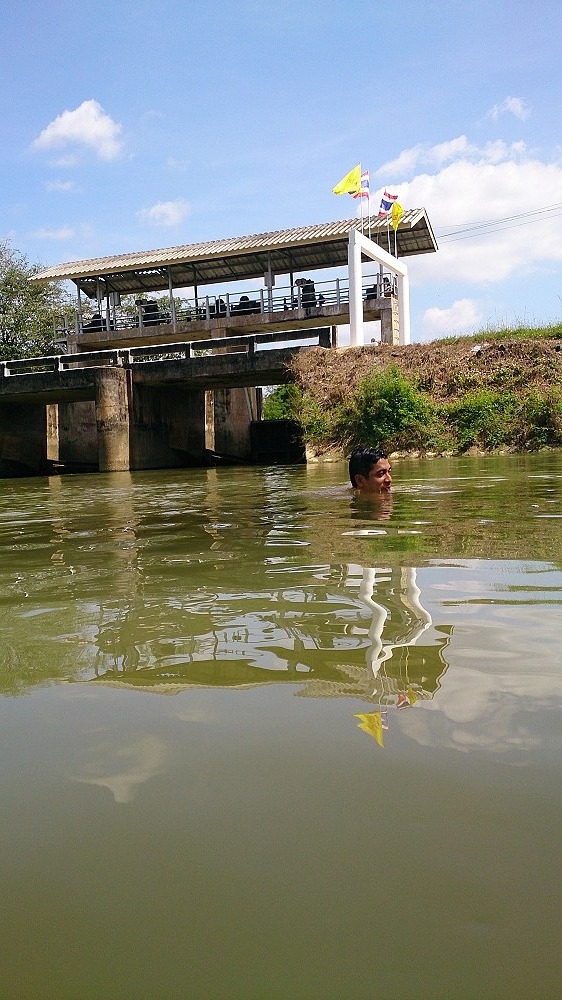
<point x="212" y="272"/>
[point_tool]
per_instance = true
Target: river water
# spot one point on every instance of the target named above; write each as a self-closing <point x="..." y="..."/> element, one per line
<point x="259" y="739"/>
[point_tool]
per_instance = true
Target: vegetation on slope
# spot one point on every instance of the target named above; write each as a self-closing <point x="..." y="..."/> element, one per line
<point x="492" y="391"/>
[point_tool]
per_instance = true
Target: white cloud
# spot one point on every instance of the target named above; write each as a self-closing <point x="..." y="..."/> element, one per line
<point x="165" y="213"/>
<point x="513" y="106"/>
<point x="64" y="233"/>
<point x="462" y="316"/>
<point x="88" y="125"/>
<point x="446" y="151"/>
<point x="494" y="214"/>
<point x="449" y="151"/>
<point x="405" y="162"/>
<point x="62" y="186"/>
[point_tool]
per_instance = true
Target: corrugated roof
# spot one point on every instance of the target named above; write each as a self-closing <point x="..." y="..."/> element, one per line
<point x="241" y="257"/>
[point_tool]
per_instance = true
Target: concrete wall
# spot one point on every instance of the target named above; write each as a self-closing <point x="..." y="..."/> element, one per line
<point x="167" y="427"/>
<point x="234" y="409"/>
<point x="77" y="434"/>
<point x="23" y="439"/>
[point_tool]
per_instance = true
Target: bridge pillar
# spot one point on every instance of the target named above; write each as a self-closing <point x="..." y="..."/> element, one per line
<point x="234" y="411"/>
<point x="112" y="418"/>
<point x="390" y="322"/>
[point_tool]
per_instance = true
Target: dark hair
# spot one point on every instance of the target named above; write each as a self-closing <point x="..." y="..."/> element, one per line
<point x="362" y="460"/>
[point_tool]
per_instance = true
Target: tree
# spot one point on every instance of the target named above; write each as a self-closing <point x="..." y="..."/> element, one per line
<point x="29" y="311"/>
<point x="283" y="403"/>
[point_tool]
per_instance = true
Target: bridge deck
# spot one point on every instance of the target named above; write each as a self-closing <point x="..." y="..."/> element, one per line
<point x="242" y="361"/>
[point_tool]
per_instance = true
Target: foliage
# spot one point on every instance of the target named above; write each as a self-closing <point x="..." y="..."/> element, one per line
<point x="483" y="418"/>
<point x="29" y="311"/>
<point x="283" y="403"/>
<point x="317" y="422"/>
<point x="386" y="407"/>
<point x="541" y="419"/>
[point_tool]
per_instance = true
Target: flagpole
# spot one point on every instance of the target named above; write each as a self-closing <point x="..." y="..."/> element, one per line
<point x="360" y="195"/>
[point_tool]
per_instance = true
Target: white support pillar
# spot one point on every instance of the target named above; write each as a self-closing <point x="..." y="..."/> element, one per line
<point x="357" y="338"/>
<point x="360" y="245"/>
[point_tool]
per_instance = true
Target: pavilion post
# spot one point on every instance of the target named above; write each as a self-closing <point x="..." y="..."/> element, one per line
<point x="172" y="303"/>
<point x="355" y="298"/>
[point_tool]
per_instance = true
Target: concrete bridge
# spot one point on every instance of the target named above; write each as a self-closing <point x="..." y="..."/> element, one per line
<point x="146" y="382"/>
<point x="156" y="406"/>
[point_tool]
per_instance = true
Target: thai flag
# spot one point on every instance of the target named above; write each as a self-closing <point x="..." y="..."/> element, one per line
<point x="364" y="192"/>
<point x="387" y="201"/>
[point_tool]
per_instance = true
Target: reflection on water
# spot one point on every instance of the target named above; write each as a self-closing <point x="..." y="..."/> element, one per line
<point x="140" y="761"/>
<point x="285" y="620"/>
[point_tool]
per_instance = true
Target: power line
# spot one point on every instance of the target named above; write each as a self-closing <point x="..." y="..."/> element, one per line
<point x="498" y="225"/>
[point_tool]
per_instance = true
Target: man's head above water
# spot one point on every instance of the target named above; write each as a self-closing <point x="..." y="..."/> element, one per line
<point x="369" y="471"/>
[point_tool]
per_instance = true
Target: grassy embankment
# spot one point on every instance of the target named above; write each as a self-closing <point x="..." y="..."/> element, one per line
<point x="498" y="390"/>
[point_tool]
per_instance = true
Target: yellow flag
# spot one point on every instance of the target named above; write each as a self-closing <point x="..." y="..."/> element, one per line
<point x="396" y="214"/>
<point x="351" y="183"/>
<point x="371" y="722"/>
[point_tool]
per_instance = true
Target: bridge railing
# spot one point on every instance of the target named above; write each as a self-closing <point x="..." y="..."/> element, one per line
<point x="126" y="357"/>
<point x="227" y="305"/>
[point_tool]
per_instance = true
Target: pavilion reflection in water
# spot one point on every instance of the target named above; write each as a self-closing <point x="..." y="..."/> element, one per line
<point x="372" y="640"/>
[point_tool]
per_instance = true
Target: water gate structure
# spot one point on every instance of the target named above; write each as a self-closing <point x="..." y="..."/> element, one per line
<point x="160" y="381"/>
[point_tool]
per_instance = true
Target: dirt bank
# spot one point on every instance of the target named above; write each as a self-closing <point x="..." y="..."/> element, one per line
<point x="442" y="370"/>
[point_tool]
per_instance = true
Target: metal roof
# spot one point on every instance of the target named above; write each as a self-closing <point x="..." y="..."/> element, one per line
<point x="239" y="258"/>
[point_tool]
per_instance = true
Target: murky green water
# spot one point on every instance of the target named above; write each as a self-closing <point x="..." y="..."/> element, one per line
<point x="259" y="740"/>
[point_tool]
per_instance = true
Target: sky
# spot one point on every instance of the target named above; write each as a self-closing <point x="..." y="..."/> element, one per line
<point x="131" y="125"/>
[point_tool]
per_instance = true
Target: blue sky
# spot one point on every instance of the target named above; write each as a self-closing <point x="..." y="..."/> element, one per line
<point x="131" y="125"/>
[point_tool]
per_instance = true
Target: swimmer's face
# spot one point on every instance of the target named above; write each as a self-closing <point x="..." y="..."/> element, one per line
<point x="379" y="479"/>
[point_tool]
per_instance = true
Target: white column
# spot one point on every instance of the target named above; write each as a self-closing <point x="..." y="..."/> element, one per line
<point x="359" y="244"/>
<point x="355" y="297"/>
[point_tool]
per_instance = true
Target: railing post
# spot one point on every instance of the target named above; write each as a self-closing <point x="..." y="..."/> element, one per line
<point x="228" y="305"/>
<point x="338" y="300"/>
<point x="262" y="307"/>
<point x="207" y="308"/>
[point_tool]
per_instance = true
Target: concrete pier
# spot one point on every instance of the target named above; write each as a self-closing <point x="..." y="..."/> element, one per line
<point x="112" y="418"/>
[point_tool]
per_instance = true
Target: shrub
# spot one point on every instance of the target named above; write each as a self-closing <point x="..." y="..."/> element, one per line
<point x="317" y="423"/>
<point x="541" y="419"/>
<point x="484" y="418"/>
<point x="386" y="407"/>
